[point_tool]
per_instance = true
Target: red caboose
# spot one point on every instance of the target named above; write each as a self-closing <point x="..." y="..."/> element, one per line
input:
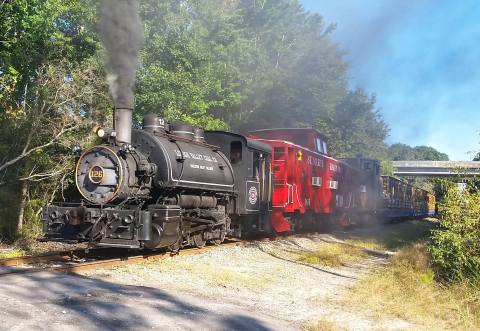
<point x="309" y="187"/>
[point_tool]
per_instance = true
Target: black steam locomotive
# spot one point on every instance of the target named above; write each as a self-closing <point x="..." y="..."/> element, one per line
<point x="162" y="186"/>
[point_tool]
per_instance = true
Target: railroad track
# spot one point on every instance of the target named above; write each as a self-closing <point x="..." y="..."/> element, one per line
<point x="79" y="261"/>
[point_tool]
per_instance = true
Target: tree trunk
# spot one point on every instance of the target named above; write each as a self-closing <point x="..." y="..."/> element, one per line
<point x="23" y="202"/>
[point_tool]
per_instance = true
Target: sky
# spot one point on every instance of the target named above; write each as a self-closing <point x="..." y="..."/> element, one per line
<point x="421" y="58"/>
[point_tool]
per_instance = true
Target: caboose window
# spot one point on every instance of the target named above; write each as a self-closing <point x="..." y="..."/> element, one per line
<point x="325" y="149"/>
<point x="236" y="148"/>
<point x="316" y="181"/>
<point x="319" y="144"/>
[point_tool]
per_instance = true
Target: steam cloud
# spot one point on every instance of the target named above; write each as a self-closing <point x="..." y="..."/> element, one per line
<point x="121" y="32"/>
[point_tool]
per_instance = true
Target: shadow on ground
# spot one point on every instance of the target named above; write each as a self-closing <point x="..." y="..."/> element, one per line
<point x="33" y="301"/>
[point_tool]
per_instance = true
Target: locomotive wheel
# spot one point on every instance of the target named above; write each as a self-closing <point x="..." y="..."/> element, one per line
<point x="198" y="240"/>
<point x="220" y="240"/>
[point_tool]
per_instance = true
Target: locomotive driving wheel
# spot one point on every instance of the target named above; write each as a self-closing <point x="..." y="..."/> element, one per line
<point x="198" y="239"/>
<point x="221" y="238"/>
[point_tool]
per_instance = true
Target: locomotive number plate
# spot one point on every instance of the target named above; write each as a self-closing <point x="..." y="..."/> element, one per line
<point x="96" y="174"/>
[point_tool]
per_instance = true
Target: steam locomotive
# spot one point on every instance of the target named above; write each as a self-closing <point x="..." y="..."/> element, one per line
<point x="170" y="185"/>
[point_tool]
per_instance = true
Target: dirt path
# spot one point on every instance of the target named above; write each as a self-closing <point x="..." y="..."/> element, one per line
<point x="266" y="278"/>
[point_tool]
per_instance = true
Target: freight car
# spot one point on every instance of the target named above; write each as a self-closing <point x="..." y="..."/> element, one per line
<point x="402" y="200"/>
<point x="169" y="185"/>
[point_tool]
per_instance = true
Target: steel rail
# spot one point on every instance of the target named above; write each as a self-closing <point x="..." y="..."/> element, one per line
<point x="73" y="267"/>
<point x="25" y="260"/>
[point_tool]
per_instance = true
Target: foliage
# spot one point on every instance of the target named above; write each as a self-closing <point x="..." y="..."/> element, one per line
<point x="409" y="291"/>
<point x="238" y="64"/>
<point x="36" y="32"/>
<point x="355" y="127"/>
<point x="37" y="136"/>
<point x="247" y="65"/>
<point x="402" y="152"/>
<point x="333" y="255"/>
<point x="51" y="88"/>
<point x="387" y="168"/>
<point x="455" y="246"/>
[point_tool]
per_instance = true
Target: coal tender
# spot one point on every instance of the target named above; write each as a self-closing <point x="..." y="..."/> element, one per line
<point x="160" y="186"/>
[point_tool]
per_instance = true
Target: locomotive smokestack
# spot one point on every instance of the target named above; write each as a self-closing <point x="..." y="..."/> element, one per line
<point x="122" y="124"/>
<point x="122" y="36"/>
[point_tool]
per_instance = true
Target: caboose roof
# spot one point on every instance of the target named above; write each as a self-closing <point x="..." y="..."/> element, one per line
<point x="277" y="133"/>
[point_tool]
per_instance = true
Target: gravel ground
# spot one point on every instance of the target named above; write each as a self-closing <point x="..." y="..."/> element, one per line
<point x="260" y="286"/>
<point x="51" y="301"/>
<point x="265" y="277"/>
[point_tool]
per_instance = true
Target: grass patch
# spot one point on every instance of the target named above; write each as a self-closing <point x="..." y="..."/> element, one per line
<point x="407" y="289"/>
<point x="368" y="244"/>
<point x="333" y="255"/>
<point x="389" y="236"/>
<point x="9" y="253"/>
<point x="321" y="325"/>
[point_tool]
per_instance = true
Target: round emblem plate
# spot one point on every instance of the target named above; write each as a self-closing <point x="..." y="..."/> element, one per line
<point x="252" y="195"/>
<point x="96" y="174"/>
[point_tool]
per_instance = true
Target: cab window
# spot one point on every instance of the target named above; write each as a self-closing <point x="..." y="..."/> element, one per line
<point x="236" y="148"/>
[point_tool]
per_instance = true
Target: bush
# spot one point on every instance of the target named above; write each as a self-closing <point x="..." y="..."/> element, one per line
<point x="455" y="245"/>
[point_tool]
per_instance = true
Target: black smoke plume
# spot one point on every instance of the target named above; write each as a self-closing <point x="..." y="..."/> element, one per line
<point x="122" y="36"/>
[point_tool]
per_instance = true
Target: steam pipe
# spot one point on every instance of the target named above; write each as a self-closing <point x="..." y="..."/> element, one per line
<point x="122" y="124"/>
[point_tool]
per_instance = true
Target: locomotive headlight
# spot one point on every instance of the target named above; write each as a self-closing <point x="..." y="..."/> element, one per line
<point x="99" y="131"/>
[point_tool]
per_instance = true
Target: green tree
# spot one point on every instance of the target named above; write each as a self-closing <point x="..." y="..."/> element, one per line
<point x="355" y="127"/>
<point x="428" y="153"/>
<point x="36" y="32"/>
<point x="47" y="93"/>
<point x="187" y="70"/>
<point x="455" y="246"/>
<point x="402" y="152"/>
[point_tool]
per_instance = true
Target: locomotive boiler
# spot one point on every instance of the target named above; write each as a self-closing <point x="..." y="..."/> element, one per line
<point x="160" y="186"/>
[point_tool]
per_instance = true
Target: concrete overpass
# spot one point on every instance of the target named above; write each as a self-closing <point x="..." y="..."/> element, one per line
<point x="436" y="168"/>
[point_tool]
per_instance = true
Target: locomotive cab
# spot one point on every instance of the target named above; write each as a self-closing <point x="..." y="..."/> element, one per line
<point x="251" y="163"/>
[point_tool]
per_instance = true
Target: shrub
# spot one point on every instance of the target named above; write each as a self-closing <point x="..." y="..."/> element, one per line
<point x="455" y="245"/>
